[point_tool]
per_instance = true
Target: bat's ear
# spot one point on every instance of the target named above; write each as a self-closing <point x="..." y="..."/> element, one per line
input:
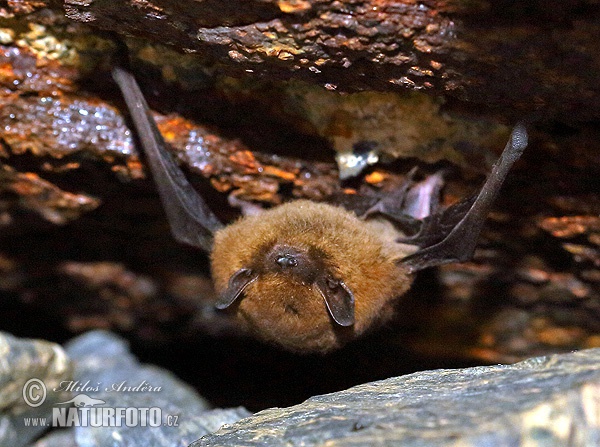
<point x="338" y="298"/>
<point x="237" y="284"/>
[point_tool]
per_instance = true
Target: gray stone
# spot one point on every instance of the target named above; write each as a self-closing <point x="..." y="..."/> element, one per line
<point x="103" y="362"/>
<point x="59" y="438"/>
<point x="32" y="368"/>
<point x="189" y="427"/>
<point x="545" y="401"/>
<point x="211" y="420"/>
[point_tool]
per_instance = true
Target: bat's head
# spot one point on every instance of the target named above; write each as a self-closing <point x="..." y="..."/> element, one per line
<point x="306" y="276"/>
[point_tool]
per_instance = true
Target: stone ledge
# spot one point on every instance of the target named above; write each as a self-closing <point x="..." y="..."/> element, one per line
<point x="552" y="400"/>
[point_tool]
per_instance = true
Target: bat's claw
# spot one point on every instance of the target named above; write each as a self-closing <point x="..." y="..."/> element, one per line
<point x="518" y="140"/>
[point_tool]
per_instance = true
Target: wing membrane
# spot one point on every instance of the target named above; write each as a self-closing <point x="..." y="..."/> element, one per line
<point x="459" y="226"/>
<point x="191" y="221"/>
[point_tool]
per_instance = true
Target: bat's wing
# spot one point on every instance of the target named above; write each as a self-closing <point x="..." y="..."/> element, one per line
<point x="190" y="219"/>
<point x="451" y="235"/>
<point x="396" y="205"/>
<point x="435" y="227"/>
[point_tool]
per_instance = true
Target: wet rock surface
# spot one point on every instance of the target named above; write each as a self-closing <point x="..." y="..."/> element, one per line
<point x="546" y="401"/>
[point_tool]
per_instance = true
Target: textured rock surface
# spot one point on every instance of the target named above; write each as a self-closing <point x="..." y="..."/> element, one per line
<point x="545" y="401"/>
<point x="494" y="53"/>
<point x="21" y="361"/>
<point x="198" y="424"/>
<point x="104" y="359"/>
<point x="103" y="368"/>
<point x="62" y="438"/>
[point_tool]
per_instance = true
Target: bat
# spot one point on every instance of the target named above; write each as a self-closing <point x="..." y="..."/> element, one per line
<point x="311" y="276"/>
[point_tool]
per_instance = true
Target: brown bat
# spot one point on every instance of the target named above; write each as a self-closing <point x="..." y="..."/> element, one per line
<point x="311" y="276"/>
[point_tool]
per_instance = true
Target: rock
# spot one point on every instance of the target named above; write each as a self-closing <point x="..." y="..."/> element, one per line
<point x="552" y="400"/>
<point x="104" y="360"/>
<point x="211" y="420"/>
<point x="61" y="438"/>
<point x="202" y="423"/>
<point x="29" y="369"/>
<point x="108" y="375"/>
<point x="386" y="126"/>
<point x="44" y="198"/>
<point x="493" y="54"/>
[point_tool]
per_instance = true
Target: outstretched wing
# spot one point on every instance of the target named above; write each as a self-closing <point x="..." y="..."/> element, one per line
<point x="451" y="235"/>
<point x="190" y="219"/>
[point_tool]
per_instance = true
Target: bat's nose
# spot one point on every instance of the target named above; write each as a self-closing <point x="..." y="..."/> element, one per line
<point x="286" y="261"/>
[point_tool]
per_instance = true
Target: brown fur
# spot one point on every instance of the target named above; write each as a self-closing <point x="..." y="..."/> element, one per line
<point x="293" y="315"/>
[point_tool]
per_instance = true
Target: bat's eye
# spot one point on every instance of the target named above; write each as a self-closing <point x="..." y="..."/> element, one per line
<point x="287" y="260"/>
